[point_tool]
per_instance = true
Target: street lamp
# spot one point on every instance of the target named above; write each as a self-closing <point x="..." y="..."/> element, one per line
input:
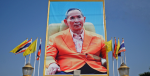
<point x="27" y="70"/>
<point x="124" y="70"/>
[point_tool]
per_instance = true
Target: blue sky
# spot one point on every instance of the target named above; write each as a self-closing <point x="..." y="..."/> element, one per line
<point x="21" y="19"/>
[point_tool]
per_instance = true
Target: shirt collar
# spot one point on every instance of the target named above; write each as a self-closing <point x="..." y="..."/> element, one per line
<point x="82" y="34"/>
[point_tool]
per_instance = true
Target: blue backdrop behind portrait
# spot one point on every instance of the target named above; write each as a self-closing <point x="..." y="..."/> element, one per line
<point x="93" y="11"/>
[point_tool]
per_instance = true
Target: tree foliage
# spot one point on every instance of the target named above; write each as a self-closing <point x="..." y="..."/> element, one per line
<point x="145" y="74"/>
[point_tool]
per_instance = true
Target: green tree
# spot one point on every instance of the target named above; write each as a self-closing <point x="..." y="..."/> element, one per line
<point x="145" y="74"/>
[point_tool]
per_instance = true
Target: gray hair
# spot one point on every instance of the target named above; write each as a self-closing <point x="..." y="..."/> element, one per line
<point x="71" y="10"/>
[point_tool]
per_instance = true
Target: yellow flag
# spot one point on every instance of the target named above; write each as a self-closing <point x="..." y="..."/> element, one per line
<point x="16" y="48"/>
<point x="31" y="48"/>
<point x="118" y="46"/>
<point x="109" y="46"/>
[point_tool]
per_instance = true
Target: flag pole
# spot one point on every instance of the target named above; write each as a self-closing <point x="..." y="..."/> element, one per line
<point x="117" y="55"/>
<point x="39" y="67"/>
<point x="29" y="58"/>
<point x="25" y="61"/>
<point x="124" y="55"/>
<point x="35" y="59"/>
<point x="121" y="56"/>
<point x="25" y="57"/>
<point x="39" y="59"/>
<point x="121" y="59"/>
<point x="30" y="54"/>
<point x="117" y="67"/>
<point x="113" y="68"/>
<point x="113" y="60"/>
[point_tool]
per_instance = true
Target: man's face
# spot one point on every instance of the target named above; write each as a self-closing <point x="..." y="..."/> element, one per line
<point x="75" y="20"/>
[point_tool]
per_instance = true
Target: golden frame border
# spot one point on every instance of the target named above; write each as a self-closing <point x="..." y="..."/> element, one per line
<point x="77" y="0"/>
<point x="46" y="37"/>
<point x="105" y="32"/>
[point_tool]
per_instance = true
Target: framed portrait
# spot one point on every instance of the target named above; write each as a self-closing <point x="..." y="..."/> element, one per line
<point x="94" y="13"/>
